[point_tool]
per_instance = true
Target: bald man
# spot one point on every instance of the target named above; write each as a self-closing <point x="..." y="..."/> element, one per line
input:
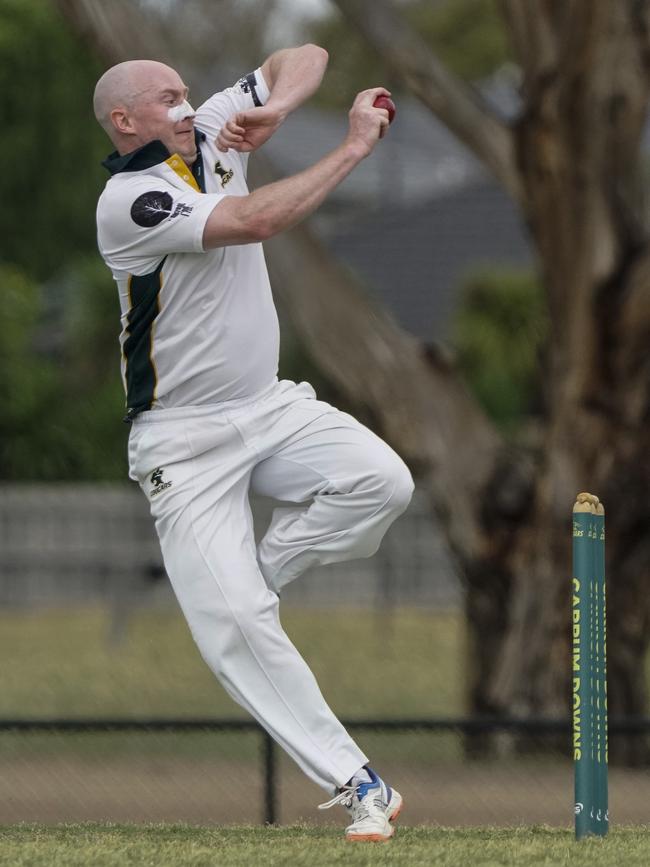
<point x="210" y="422"/>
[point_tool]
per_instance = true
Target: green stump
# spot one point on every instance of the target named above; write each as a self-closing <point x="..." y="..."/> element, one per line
<point x="589" y="667"/>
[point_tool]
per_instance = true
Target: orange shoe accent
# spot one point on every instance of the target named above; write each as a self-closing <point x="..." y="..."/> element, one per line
<point x="393" y="818"/>
<point x="367" y="838"/>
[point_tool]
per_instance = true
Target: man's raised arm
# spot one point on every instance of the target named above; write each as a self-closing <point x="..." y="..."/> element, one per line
<point x="292" y="75"/>
<point x="273" y="208"/>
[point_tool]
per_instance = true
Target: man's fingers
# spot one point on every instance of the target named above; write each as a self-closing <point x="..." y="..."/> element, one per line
<point x="228" y="138"/>
<point x="379" y="91"/>
<point x="245" y="119"/>
<point x="231" y="134"/>
<point x="247" y="130"/>
<point x="234" y="128"/>
<point x="224" y="144"/>
<point x="367" y="97"/>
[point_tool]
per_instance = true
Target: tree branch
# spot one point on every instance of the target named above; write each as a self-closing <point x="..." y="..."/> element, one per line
<point x="532" y="38"/>
<point x="115" y="29"/>
<point x="458" y="105"/>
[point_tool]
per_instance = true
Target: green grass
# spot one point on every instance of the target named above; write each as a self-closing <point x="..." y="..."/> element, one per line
<point x="60" y="663"/>
<point x="178" y="846"/>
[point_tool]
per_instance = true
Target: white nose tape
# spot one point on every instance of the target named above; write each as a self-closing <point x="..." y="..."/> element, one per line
<point x="180" y="112"/>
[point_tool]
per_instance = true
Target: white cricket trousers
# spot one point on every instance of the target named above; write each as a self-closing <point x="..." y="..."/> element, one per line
<point x="196" y="466"/>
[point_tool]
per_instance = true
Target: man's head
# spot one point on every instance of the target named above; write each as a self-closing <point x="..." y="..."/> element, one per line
<point x="132" y="103"/>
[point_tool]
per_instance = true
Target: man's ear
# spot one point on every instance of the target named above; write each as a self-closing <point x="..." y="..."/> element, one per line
<point x="121" y="121"/>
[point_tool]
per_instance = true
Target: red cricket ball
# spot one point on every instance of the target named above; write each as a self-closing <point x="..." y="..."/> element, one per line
<point x="387" y="103"/>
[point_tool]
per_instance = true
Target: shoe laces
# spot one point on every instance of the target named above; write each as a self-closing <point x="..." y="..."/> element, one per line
<point x="344" y="797"/>
<point x="361" y="807"/>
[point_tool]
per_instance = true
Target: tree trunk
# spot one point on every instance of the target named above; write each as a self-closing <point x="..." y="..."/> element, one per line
<point x="578" y="146"/>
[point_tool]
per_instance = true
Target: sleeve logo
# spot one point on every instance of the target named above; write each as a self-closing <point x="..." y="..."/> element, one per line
<point x="244" y="84"/>
<point x="249" y="85"/>
<point x="152" y="208"/>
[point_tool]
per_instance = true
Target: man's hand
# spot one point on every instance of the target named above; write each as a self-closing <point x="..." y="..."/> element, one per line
<point x="275" y="207"/>
<point x="248" y="130"/>
<point x="367" y="123"/>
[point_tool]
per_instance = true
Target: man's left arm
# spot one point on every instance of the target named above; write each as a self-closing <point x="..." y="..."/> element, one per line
<point x="292" y="76"/>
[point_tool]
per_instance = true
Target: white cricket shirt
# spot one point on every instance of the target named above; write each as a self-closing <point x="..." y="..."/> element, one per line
<point x="198" y="327"/>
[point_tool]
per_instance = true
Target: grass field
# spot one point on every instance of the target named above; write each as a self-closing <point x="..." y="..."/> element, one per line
<point x="60" y="663"/>
<point x="179" y="846"/>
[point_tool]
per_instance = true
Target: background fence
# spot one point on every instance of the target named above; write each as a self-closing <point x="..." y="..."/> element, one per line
<point x="96" y="541"/>
<point x="108" y="713"/>
<point x="218" y="772"/>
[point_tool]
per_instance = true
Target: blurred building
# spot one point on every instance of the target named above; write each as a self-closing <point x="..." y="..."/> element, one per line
<point x="417" y="216"/>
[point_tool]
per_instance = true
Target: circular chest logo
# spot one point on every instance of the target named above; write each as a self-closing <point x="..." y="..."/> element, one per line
<point x="152" y="208"/>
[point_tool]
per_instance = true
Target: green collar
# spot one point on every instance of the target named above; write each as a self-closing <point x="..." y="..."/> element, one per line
<point x="151" y="154"/>
<point x="144" y="157"/>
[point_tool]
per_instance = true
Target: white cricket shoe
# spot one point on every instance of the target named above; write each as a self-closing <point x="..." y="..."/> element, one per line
<point x="373" y="806"/>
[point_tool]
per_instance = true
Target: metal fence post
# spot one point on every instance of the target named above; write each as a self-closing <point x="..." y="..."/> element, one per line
<point x="270" y="780"/>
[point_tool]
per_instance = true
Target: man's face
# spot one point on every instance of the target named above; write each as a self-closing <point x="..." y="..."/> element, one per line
<point x="156" y="94"/>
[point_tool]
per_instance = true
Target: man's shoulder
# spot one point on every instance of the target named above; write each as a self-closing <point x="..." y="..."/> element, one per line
<point x="124" y="182"/>
<point x="125" y="187"/>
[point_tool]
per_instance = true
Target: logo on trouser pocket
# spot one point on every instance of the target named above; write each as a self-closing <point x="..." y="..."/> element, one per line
<point x="159" y="485"/>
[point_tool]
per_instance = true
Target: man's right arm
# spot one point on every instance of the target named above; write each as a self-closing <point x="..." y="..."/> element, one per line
<point x="273" y="208"/>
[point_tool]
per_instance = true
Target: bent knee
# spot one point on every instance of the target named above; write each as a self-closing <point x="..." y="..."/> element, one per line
<point x="399" y="485"/>
<point x="387" y="482"/>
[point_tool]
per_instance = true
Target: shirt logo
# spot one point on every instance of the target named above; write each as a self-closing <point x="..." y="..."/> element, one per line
<point x="225" y="174"/>
<point x="182" y="210"/>
<point x="156" y="479"/>
<point x="152" y="208"/>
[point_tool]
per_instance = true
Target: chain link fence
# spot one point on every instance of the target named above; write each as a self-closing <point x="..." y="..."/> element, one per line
<point x="224" y="772"/>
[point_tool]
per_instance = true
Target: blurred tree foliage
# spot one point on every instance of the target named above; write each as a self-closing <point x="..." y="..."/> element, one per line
<point x="468" y="36"/>
<point x="62" y="401"/>
<point x="500" y="331"/>
<point x="27" y="381"/>
<point x="59" y="379"/>
<point x="50" y="145"/>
